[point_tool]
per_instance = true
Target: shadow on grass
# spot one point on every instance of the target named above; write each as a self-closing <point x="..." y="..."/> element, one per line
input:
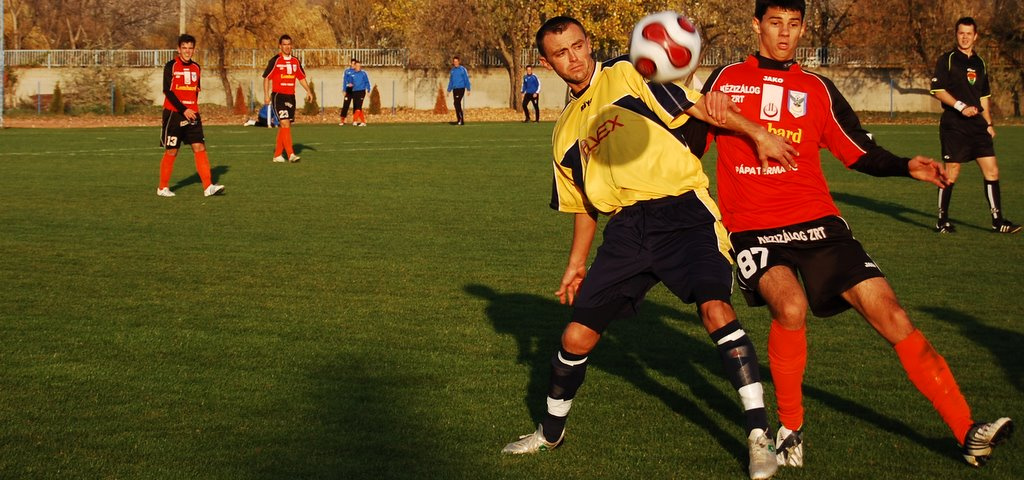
<point x="895" y="210"/>
<point x="301" y="147"/>
<point x="1003" y="344"/>
<point x="215" y="174"/>
<point x="630" y="349"/>
<point x="634" y="347"/>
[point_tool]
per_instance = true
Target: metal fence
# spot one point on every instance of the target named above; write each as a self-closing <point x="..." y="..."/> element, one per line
<point x="375" y="57"/>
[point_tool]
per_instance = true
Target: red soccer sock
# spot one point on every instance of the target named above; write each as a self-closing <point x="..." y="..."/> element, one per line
<point x="203" y="168"/>
<point x="286" y="142"/>
<point x="787" y="359"/>
<point x="929" y="372"/>
<point x="359" y="115"/>
<point x="280" y="142"/>
<point x="166" y="167"/>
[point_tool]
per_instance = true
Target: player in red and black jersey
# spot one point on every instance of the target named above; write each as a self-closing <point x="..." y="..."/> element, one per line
<point x="966" y="130"/>
<point x="279" y="79"/>
<point x="181" y="121"/>
<point x="794" y="251"/>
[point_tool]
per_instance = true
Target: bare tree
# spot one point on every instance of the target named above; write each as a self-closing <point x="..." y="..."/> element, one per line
<point x="229" y="22"/>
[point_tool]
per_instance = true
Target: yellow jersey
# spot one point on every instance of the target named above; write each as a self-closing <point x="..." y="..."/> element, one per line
<point x="621" y="141"/>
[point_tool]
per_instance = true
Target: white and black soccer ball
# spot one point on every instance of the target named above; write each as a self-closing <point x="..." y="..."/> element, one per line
<point x="665" y="47"/>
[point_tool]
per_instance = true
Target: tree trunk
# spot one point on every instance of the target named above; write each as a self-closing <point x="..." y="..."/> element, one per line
<point x="222" y="67"/>
<point x="510" y="57"/>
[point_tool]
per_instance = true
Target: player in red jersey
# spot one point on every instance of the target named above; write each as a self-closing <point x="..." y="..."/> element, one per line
<point x="279" y="79"/>
<point x="786" y="226"/>
<point x="181" y="121"/>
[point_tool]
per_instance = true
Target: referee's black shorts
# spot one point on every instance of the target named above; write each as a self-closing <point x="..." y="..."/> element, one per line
<point x="177" y="130"/>
<point x="675" y="240"/>
<point x="964" y="139"/>
<point x="822" y="252"/>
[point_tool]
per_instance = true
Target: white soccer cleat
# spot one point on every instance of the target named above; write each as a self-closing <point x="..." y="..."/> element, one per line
<point x="532" y="443"/>
<point x="279" y="159"/>
<point x="789" y="447"/>
<point x="294" y="158"/>
<point x="248" y="123"/>
<point x="982" y="437"/>
<point x="213" y="189"/>
<point x="164" y="192"/>
<point x="763" y="463"/>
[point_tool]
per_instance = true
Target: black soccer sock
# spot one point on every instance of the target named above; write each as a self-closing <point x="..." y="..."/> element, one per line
<point x="567" y="373"/>
<point x="945" y="196"/>
<point x="995" y="203"/>
<point x="740" y="362"/>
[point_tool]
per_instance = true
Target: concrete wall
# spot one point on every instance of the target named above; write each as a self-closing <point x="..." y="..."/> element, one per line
<point x="866" y="89"/>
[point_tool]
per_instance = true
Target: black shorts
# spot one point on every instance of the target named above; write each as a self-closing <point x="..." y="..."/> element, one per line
<point x="284" y="105"/>
<point x="964" y="139"/>
<point x="177" y="130"/>
<point x="822" y="252"/>
<point x="675" y="240"/>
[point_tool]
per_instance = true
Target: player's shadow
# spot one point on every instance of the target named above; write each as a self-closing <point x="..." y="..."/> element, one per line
<point x="300" y="147"/>
<point x="215" y="174"/>
<point x="1002" y="343"/>
<point x="896" y="211"/>
<point x="631" y="349"/>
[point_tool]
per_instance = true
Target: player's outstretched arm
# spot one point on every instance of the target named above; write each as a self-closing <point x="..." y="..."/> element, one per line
<point x="583" y="230"/>
<point x="768" y="146"/>
<point x="928" y="170"/>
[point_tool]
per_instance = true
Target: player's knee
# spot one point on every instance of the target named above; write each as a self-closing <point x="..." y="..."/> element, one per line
<point x="579" y="339"/>
<point x="791" y="314"/>
<point x="715" y="314"/>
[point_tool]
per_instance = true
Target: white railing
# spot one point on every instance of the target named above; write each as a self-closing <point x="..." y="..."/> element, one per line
<point x="377" y="57"/>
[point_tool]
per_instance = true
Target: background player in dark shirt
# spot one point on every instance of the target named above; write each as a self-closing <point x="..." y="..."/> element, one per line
<point x="966" y="130"/>
<point x="181" y="121"/>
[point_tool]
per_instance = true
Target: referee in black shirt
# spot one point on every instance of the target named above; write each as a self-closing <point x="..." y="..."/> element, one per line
<point x="965" y="130"/>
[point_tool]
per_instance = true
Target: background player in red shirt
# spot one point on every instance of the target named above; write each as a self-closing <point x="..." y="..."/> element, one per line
<point x="279" y="79"/>
<point x="784" y="222"/>
<point x="181" y="121"/>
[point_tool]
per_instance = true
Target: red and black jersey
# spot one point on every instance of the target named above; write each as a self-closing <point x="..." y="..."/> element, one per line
<point x="181" y="85"/>
<point x="284" y="72"/>
<point x="805" y="108"/>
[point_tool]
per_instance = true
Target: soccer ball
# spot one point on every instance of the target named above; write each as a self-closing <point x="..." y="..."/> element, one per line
<point x="664" y="47"/>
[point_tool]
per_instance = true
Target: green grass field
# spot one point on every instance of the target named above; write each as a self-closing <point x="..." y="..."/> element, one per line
<point x="384" y="309"/>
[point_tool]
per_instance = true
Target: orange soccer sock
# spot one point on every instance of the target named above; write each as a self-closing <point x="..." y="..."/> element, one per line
<point x="203" y="168"/>
<point x="288" y="147"/>
<point x="787" y="358"/>
<point x="166" y="167"/>
<point x="929" y="372"/>
<point x="280" y="142"/>
<point x="359" y="115"/>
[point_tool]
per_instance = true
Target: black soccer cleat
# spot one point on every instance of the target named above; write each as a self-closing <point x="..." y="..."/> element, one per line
<point x="945" y="227"/>
<point x="1005" y="226"/>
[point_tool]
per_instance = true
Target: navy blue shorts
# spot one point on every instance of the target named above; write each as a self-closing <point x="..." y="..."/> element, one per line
<point x="674" y="240"/>
<point x="822" y="252"/>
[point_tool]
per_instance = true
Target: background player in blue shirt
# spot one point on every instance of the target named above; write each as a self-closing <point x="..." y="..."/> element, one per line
<point x="346" y="80"/>
<point x="531" y="94"/>
<point x="458" y="85"/>
<point x="360" y="86"/>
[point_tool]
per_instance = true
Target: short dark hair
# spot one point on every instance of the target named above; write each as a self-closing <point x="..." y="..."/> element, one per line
<point x="283" y="38"/>
<point x="456" y="57"/>
<point x="556" y="25"/>
<point x="967" y="21"/>
<point x="186" y="38"/>
<point x="762" y="6"/>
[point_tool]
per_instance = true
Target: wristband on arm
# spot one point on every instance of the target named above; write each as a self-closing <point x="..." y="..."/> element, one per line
<point x="959" y="106"/>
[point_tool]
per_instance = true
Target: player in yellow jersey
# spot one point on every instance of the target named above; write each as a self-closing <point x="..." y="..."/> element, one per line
<point x="625" y="148"/>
